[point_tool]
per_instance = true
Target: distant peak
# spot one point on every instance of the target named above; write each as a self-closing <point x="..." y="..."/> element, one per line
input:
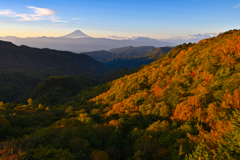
<point x="76" y="34"/>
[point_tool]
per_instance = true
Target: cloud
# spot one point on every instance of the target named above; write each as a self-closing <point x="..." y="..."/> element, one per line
<point x="75" y="19"/>
<point x="113" y="37"/>
<point x="54" y="19"/>
<point x="7" y="13"/>
<point x="121" y="38"/>
<point x="205" y="35"/>
<point x="42" y="12"/>
<point x="39" y="15"/>
<point x="237" y="6"/>
<point x="190" y="38"/>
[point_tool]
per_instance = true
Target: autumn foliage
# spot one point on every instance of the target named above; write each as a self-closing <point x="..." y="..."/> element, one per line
<point x="195" y="83"/>
<point x="185" y="105"/>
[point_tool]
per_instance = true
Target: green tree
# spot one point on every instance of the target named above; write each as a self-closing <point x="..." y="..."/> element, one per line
<point x="200" y="153"/>
<point x="51" y="153"/>
<point x="116" y="140"/>
<point x="229" y="148"/>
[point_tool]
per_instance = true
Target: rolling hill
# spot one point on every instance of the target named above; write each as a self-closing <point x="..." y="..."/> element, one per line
<point x="129" y="57"/>
<point x="185" y="105"/>
<point x="22" y="68"/>
<point x="194" y="94"/>
<point x="132" y="51"/>
<point x="59" y="89"/>
<point x="101" y="56"/>
<point x="47" y="61"/>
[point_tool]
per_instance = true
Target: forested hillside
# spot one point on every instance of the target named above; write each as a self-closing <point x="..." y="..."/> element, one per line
<point x="133" y="59"/>
<point x="193" y="93"/>
<point x="185" y="105"/>
<point x="22" y="68"/>
<point x="100" y="55"/>
<point x="129" y="57"/>
<point x="48" y="62"/>
<point x="132" y="51"/>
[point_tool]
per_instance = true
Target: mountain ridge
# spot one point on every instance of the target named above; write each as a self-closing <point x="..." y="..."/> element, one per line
<point x="22" y="68"/>
<point x="185" y="106"/>
<point x="83" y="43"/>
<point x="129" y="57"/>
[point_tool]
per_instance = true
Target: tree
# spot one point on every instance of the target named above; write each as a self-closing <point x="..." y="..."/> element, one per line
<point x="99" y="155"/>
<point x="229" y="147"/>
<point x="200" y="153"/>
<point x="49" y="152"/>
<point x="159" y="126"/>
<point x="30" y="101"/>
<point x="116" y="140"/>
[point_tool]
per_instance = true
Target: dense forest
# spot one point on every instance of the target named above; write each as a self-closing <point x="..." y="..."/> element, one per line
<point x="185" y="105"/>
<point x="23" y="68"/>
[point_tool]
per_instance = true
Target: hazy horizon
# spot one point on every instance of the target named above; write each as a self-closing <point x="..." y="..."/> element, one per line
<point x="173" y="21"/>
<point x="175" y="40"/>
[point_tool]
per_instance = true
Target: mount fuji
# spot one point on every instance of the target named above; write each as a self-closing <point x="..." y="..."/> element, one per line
<point x="76" y="34"/>
<point x="79" y="42"/>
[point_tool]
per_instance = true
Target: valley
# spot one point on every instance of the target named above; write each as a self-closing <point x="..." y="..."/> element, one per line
<point x="129" y="57"/>
<point x="127" y="103"/>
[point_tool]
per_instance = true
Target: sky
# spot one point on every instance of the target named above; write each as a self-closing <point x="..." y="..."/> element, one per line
<point x="119" y="19"/>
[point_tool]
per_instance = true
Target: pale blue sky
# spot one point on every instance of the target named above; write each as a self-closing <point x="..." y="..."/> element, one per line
<point x="158" y="19"/>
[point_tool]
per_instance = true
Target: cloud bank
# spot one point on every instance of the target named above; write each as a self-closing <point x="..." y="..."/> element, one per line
<point x="205" y="35"/>
<point x="193" y="38"/>
<point x="38" y="15"/>
<point x="121" y="37"/>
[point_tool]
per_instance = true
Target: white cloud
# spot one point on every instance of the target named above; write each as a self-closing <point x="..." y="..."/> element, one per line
<point x="205" y="35"/>
<point x="6" y="12"/>
<point x="42" y="12"/>
<point x="39" y="14"/>
<point x="190" y="38"/>
<point x="237" y="6"/>
<point x="121" y="37"/>
<point x="75" y="19"/>
<point x="55" y="19"/>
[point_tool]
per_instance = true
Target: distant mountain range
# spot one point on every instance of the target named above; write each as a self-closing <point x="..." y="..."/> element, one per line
<point x="49" y="62"/>
<point x="129" y="57"/>
<point x="78" y="42"/>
